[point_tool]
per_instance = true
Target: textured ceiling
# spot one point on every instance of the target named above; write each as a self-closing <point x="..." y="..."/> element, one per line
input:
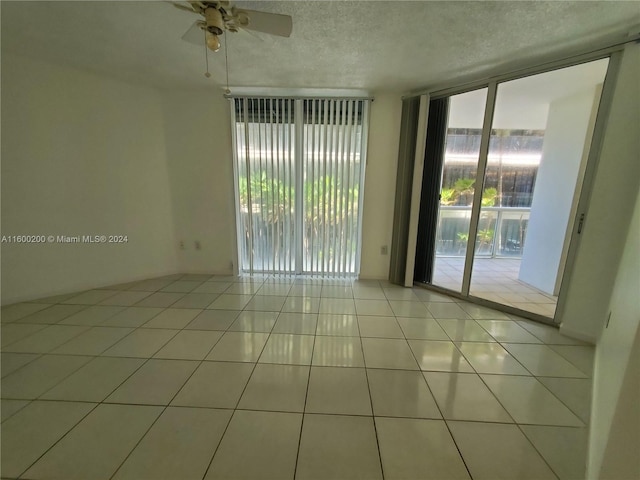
<point x="374" y="45"/>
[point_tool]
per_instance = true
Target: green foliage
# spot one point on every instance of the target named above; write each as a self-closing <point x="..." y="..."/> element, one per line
<point x="486" y="235"/>
<point x="464" y="185"/>
<point x="489" y="197"/>
<point x="268" y="195"/>
<point x="325" y="199"/>
<point x="448" y="196"/>
<point x="328" y="202"/>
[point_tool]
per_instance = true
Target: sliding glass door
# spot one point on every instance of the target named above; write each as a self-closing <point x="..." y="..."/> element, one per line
<point x="299" y="168"/>
<point x="457" y="186"/>
<point x="514" y="162"/>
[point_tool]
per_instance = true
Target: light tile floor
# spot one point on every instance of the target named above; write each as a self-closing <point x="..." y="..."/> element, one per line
<point x="495" y="279"/>
<point x="203" y="377"/>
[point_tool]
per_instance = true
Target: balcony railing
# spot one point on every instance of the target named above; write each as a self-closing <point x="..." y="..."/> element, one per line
<point x="501" y="231"/>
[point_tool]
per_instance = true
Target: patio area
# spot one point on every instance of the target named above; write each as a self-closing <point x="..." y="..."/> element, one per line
<point x="494" y="279"/>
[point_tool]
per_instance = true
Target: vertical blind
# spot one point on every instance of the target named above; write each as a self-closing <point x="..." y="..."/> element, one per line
<point x="430" y="195"/>
<point x="299" y="173"/>
<point x="265" y="184"/>
<point x="404" y="184"/>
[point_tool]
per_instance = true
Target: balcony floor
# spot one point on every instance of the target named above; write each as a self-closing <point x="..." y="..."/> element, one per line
<point x="495" y="279"/>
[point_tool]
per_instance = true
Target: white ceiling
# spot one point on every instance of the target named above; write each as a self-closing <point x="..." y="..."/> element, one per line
<point x="370" y="45"/>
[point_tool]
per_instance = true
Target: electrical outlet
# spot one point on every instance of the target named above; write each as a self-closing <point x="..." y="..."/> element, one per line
<point x="181" y="245"/>
<point x="384" y="250"/>
<point x="197" y="245"/>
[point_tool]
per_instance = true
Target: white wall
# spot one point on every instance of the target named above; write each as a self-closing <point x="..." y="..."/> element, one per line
<point x="615" y="417"/>
<point x="608" y="216"/>
<point x="81" y="154"/>
<point x="380" y="183"/>
<point x="198" y="145"/>
<point x="568" y="125"/>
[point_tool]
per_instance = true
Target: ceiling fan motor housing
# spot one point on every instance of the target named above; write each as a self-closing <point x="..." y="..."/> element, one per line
<point x="213" y="18"/>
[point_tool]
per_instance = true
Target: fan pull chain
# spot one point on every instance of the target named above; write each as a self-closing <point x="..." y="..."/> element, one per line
<point x="206" y="54"/>
<point x="226" y="64"/>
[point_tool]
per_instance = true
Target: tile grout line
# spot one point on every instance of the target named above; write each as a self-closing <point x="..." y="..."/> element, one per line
<point x="39" y="398"/>
<point x="255" y="365"/>
<point x="60" y="439"/>
<point x="537" y="451"/>
<point x="439" y="409"/>
<point x="518" y="425"/>
<point x="182" y="329"/>
<point x="373" y="418"/>
<point x="235" y="409"/>
<point x="102" y="402"/>
<point x="306" y="396"/>
<point x="573" y="427"/>
<point x="144" y="363"/>
<point x="146" y="360"/>
<point x="531" y="375"/>
<point x="28" y="402"/>
<point x="165" y="407"/>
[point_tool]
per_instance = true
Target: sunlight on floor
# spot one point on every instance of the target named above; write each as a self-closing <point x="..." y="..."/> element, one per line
<point x="495" y="279"/>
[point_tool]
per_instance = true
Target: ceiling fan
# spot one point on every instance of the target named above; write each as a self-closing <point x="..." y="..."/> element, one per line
<point x="219" y="16"/>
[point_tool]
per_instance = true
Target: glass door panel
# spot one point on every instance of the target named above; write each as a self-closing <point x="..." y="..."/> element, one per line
<point x="462" y="150"/>
<point x="541" y="130"/>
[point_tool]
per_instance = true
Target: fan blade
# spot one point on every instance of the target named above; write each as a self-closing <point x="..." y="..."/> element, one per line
<point x="183" y="7"/>
<point x="271" y="23"/>
<point x="243" y="32"/>
<point x="195" y="34"/>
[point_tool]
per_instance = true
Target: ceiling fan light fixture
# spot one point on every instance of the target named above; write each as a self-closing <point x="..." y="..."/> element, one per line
<point x="214" y="21"/>
<point x="213" y="42"/>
